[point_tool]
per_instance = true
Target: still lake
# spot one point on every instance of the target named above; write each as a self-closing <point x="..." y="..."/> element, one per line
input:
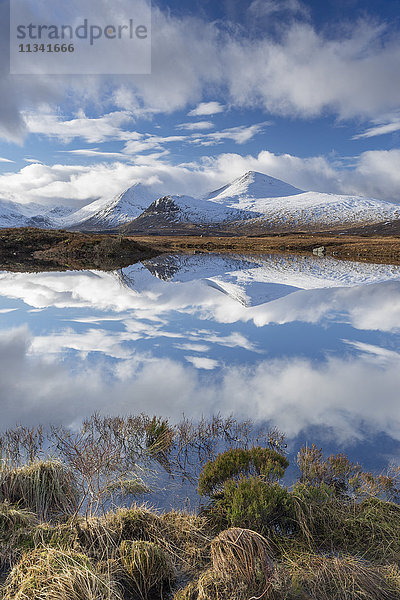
<point x="310" y="345"/>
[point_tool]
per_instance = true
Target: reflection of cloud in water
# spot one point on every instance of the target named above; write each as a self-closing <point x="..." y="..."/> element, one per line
<point x="376" y="306"/>
<point x="128" y="341"/>
<point x="350" y="394"/>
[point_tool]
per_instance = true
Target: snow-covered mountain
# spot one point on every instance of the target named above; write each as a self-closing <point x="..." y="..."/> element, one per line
<point x="282" y="206"/>
<point x="252" y="204"/>
<point x="172" y="211"/>
<point x="109" y="214"/>
<point x="257" y="203"/>
<point x="15" y="214"/>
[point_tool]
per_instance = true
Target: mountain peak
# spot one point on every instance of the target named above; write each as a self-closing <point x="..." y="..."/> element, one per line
<point x="253" y="186"/>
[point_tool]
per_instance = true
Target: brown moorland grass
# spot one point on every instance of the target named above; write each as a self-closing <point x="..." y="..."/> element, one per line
<point x="47" y="573"/>
<point x="372" y="248"/>
<point x="35" y="249"/>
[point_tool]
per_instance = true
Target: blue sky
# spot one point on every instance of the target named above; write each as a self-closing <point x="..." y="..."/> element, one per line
<point x="308" y="92"/>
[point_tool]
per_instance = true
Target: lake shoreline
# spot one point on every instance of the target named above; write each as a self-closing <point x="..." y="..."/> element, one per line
<point x="37" y="249"/>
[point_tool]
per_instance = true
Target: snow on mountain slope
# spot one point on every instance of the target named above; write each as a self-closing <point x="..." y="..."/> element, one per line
<point x="107" y="214"/>
<point x="171" y="210"/>
<point x="317" y="209"/>
<point x="16" y="214"/>
<point x="252" y="204"/>
<point x="283" y="205"/>
<point x="11" y="215"/>
<point x="250" y="187"/>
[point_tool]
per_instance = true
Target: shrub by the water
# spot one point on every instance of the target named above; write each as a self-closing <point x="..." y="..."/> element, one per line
<point x="236" y="462"/>
<point x="252" y="503"/>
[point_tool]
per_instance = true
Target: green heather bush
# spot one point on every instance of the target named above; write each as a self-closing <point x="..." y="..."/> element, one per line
<point x="236" y="462"/>
<point x="253" y="504"/>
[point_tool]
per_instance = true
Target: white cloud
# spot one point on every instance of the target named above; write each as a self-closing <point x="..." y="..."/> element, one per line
<point x="266" y="8"/>
<point x="301" y="73"/>
<point x="373" y="173"/>
<point x="202" y="362"/>
<point x="196" y="125"/>
<point x="6" y="160"/>
<point x="95" y="153"/>
<point x="93" y="130"/>
<point x="379" y="130"/>
<point x="382" y="125"/>
<point x="206" y="108"/>
<point x="240" y="134"/>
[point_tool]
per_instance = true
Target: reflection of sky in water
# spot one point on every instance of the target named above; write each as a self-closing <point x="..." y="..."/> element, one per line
<point x="310" y="344"/>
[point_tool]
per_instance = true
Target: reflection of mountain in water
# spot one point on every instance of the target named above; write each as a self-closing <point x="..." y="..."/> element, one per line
<point x="187" y="267"/>
<point x="256" y="279"/>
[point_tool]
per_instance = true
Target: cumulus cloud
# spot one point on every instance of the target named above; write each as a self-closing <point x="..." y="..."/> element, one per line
<point x="206" y="108"/>
<point x="196" y="125"/>
<point x="302" y="73"/>
<point x="373" y="173"/>
<point x="92" y="130"/>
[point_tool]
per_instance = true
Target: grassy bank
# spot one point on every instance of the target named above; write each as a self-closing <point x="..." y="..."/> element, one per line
<point x="332" y="535"/>
<point x="27" y="249"/>
<point x="371" y="248"/>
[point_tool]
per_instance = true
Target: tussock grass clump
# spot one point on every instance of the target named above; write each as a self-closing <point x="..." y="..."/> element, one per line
<point x="148" y="568"/>
<point x="13" y="518"/>
<point x="317" y="577"/>
<point x="183" y="536"/>
<point x="211" y="586"/>
<point x="300" y="577"/>
<point x="46" y="488"/>
<point x="97" y="539"/>
<point x="370" y="527"/>
<point x="59" y="536"/>
<point x="241" y="553"/>
<point x="16" y="527"/>
<point x="135" y="523"/>
<point x="60" y="575"/>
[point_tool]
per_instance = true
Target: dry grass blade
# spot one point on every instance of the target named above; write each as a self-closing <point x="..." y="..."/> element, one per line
<point x="241" y="553"/>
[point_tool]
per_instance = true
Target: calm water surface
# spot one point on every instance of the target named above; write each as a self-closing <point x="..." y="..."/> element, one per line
<point x="310" y="345"/>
